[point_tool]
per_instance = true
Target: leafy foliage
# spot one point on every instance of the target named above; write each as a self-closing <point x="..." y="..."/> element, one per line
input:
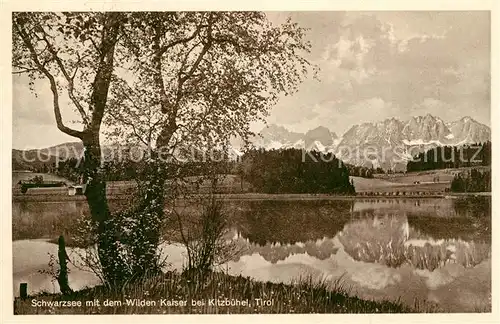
<point x="472" y="181"/>
<point x="452" y="157"/>
<point x="199" y="78"/>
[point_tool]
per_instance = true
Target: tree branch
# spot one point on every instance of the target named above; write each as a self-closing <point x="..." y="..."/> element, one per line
<point x="165" y="48"/>
<point x="239" y="47"/>
<point x="206" y="47"/>
<point x="129" y="123"/>
<point x="53" y="85"/>
<point x="68" y="78"/>
<point x="95" y="46"/>
<point x="104" y="72"/>
<point x="159" y="50"/>
<point x="23" y="69"/>
<point x="171" y="125"/>
<point x="157" y="74"/>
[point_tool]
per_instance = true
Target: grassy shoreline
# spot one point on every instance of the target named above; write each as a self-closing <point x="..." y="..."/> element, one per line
<point x="172" y="293"/>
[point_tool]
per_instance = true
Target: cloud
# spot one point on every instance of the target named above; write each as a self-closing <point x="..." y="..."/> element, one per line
<point x="339" y="115"/>
<point x="403" y="59"/>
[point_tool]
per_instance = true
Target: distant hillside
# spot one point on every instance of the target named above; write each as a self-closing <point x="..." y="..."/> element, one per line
<point x="32" y="160"/>
<point x="42" y="160"/>
<point x="65" y="150"/>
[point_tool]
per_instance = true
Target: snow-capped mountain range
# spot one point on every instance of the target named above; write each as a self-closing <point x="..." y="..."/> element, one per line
<point x="275" y="137"/>
<point x="364" y="144"/>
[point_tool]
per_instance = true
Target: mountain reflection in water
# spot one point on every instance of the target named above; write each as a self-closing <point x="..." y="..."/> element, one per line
<point x="397" y="232"/>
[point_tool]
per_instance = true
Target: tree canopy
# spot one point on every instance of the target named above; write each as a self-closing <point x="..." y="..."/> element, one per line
<point x="202" y="77"/>
<point x="167" y="80"/>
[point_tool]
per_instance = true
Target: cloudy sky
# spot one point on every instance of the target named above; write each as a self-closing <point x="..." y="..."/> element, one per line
<point x="373" y="65"/>
<point x="376" y="65"/>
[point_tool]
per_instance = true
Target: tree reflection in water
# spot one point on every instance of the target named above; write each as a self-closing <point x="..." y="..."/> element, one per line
<point x="387" y="232"/>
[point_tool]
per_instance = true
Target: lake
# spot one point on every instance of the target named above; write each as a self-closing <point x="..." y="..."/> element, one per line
<point x="429" y="251"/>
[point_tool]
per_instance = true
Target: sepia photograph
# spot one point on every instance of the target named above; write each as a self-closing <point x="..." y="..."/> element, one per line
<point x="251" y="162"/>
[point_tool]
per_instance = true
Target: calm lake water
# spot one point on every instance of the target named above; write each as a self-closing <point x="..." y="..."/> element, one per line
<point x="426" y="250"/>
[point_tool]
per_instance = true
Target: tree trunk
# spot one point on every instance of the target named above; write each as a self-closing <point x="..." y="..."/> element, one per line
<point x="150" y="210"/>
<point x="95" y="192"/>
<point x="150" y="213"/>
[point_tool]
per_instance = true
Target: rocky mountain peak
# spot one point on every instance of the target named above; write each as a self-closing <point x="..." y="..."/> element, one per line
<point x="320" y="134"/>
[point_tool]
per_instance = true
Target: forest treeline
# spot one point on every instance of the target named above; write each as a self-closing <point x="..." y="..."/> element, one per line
<point x="275" y="171"/>
<point x="444" y="157"/>
<point x="472" y="181"/>
<point x="295" y="171"/>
